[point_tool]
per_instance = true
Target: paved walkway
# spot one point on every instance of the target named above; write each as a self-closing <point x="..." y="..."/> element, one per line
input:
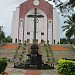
<point x="49" y="72"/>
<point x="33" y="72"/>
<point x="13" y="71"/>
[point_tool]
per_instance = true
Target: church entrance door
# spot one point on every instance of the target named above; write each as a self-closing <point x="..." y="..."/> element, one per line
<point x="36" y="40"/>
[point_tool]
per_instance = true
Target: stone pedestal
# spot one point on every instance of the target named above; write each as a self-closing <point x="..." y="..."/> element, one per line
<point x="35" y="60"/>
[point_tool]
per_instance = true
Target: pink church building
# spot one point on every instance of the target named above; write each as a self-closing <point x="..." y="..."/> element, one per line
<point x="47" y="28"/>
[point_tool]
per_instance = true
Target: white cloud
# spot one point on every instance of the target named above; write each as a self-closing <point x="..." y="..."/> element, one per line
<point x="6" y="13"/>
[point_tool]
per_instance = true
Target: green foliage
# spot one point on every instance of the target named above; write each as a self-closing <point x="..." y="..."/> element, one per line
<point x="68" y="6"/>
<point x="46" y="50"/>
<point x="23" y="47"/>
<point x="70" y="27"/>
<point x="66" y="67"/>
<point x="63" y="41"/>
<point x="16" y="53"/>
<point x="8" y="39"/>
<point x="19" y="42"/>
<point x="25" y="43"/>
<point x="3" y="64"/>
<point x="2" y="36"/>
<point x="23" y="52"/>
<point x="71" y="3"/>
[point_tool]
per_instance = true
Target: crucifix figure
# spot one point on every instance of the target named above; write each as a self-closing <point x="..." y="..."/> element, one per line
<point x="35" y="16"/>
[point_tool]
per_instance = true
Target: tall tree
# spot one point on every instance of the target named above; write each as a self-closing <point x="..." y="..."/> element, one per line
<point x="2" y="35"/>
<point x="70" y="26"/>
<point x="71" y="3"/>
<point x="64" y="6"/>
<point x="8" y="39"/>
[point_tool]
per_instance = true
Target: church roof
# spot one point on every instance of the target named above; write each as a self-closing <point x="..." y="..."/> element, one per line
<point x="39" y="0"/>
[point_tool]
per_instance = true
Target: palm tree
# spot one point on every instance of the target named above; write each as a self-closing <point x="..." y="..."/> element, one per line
<point x="70" y="27"/>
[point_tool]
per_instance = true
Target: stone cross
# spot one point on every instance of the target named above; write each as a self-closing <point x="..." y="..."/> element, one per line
<point x="35" y="16"/>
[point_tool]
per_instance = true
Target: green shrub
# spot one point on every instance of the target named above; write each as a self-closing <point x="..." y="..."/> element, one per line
<point x="3" y="64"/>
<point x="23" y="47"/>
<point x="66" y="67"/>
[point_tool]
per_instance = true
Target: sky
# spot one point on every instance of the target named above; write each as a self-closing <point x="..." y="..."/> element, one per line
<point x="6" y="14"/>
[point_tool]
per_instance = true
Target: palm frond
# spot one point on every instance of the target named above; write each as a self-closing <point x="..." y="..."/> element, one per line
<point x="69" y="33"/>
<point x="70" y="27"/>
<point x="65" y="27"/>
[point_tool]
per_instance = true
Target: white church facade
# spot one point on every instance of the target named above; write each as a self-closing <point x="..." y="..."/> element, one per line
<point x="47" y="27"/>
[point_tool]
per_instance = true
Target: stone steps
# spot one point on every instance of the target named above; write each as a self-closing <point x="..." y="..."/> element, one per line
<point x="50" y="54"/>
<point x="57" y="54"/>
<point x="43" y="53"/>
<point x="25" y="54"/>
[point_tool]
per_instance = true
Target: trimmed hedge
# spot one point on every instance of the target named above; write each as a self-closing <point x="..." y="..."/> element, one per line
<point x="69" y="59"/>
<point x="3" y="64"/>
<point x="66" y="67"/>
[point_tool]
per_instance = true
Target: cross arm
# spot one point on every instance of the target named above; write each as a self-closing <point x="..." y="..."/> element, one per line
<point x="37" y="16"/>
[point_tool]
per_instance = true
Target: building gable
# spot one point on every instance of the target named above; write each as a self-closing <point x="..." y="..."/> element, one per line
<point x="43" y="5"/>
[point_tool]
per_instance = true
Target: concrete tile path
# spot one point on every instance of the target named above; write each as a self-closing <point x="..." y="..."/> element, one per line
<point x="13" y="71"/>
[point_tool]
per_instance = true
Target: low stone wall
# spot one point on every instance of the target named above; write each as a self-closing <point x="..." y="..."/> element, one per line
<point x="70" y="54"/>
<point x="8" y="53"/>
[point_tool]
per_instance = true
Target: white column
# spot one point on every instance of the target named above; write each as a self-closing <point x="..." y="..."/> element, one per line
<point x="21" y="30"/>
<point x="50" y="31"/>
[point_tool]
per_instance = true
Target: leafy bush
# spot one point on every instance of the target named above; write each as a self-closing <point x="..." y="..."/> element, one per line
<point x="66" y="67"/>
<point x="69" y="59"/>
<point x="3" y="64"/>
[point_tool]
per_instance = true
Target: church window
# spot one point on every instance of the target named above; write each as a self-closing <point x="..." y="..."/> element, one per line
<point x="28" y="33"/>
<point x="42" y="33"/>
<point x="21" y="23"/>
